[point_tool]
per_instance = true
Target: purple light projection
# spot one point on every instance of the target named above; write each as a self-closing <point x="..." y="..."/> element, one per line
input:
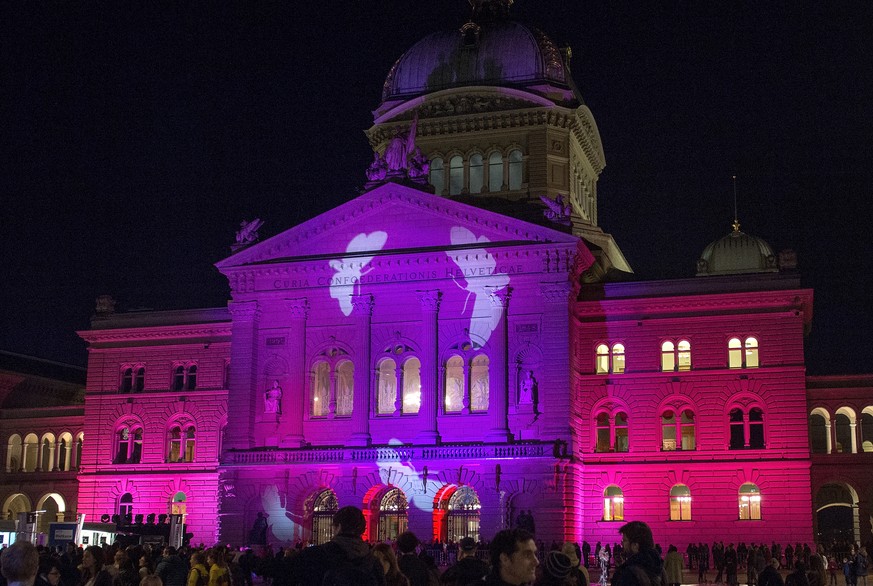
<point x="349" y="272"/>
<point x="477" y="267"/>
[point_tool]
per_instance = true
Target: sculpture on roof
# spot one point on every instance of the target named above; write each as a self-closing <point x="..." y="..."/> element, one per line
<point x="247" y="233"/>
<point x="400" y="147"/>
<point x="402" y="159"/>
<point x="557" y="211"/>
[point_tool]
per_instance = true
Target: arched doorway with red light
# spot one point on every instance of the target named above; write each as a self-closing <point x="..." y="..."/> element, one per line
<point x="386" y="512"/>
<point x="456" y="511"/>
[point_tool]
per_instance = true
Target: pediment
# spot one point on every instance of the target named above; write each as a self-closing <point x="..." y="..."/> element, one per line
<point x="394" y="219"/>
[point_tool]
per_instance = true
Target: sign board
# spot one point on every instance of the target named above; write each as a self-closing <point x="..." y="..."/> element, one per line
<point x="62" y="533"/>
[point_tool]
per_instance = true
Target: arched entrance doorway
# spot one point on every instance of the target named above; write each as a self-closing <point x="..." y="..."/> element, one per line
<point x="54" y="506"/>
<point x="456" y="513"/>
<point x="386" y="508"/>
<point x="836" y="508"/>
<point x="15" y="504"/>
<point x="323" y="509"/>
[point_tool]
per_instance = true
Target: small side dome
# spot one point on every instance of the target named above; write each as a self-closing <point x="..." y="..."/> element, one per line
<point x="736" y="254"/>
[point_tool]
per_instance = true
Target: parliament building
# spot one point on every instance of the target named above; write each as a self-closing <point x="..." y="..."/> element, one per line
<point x="458" y="344"/>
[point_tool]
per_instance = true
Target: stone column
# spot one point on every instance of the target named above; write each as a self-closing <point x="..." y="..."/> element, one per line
<point x="363" y="314"/>
<point x="498" y="394"/>
<point x="556" y="346"/>
<point x="430" y="306"/>
<point x="294" y="400"/>
<point x="242" y="388"/>
<point x="853" y="428"/>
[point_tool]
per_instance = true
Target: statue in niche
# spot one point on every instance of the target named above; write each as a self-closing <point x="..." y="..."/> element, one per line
<point x="258" y="533"/>
<point x="272" y="399"/>
<point x="528" y="388"/>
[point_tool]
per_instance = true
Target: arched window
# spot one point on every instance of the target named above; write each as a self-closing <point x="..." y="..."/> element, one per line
<point x="412" y="385"/>
<point x="668" y="356"/>
<point x="477" y="173"/>
<point x="185" y="377"/>
<point x="819" y="430"/>
<point x="332" y="384"/>
<point x="31" y="452"/>
<point x="323" y="510"/>
<point x="456" y="175"/>
<point x="175" y="448"/>
<point x="126" y="380"/>
<point x="139" y="379"/>
<point x="675" y="356"/>
<point x="65" y="452"/>
<point x="680" y="503"/>
<point x="47" y="453"/>
<point x="437" y="175"/>
<point x="463" y="514"/>
<point x="345" y="388"/>
<point x="320" y="389"/>
<point x="479" y="383"/>
<point x="750" y="502"/>
<point x="125" y="506"/>
<point x="455" y="387"/>
<point x="128" y="445"/>
<point x="392" y="515"/>
<point x="677" y="430"/>
<point x="80" y="443"/>
<point x="515" y="169"/>
<point x="178" y="504"/>
<point x="495" y="172"/>
<point x="743" y="354"/>
<point x="613" y="504"/>
<point x="609" y="360"/>
<point x="13" y="453"/>
<point x="843" y="431"/>
<point x="387" y="387"/>
<point x="182" y="442"/>
<point x="746" y="429"/>
<point x="867" y="430"/>
<point x="611" y="432"/>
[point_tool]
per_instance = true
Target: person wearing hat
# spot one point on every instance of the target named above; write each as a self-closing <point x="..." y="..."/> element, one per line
<point x="556" y="570"/>
<point x="468" y="569"/>
<point x="578" y="575"/>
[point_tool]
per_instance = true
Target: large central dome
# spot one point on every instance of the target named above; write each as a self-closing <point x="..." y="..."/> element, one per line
<point x="496" y="52"/>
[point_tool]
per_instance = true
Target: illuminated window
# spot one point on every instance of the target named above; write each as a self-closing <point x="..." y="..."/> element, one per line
<point x="843" y="433"/>
<point x="332" y="384"/>
<point x="675" y="356"/>
<point x="746" y="429"/>
<point x="607" y="360"/>
<point x="750" y="502"/>
<point x="677" y="430"/>
<point x="13" y="453"/>
<point x="456" y="175"/>
<point x="437" y="175"/>
<point x="479" y="383"/>
<point x="613" y="504"/>
<point x="477" y="173"/>
<point x="515" y="169"/>
<point x="320" y="389"/>
<point x="680" y="503"/>
<point x="819" y="432"/>
<point x="867" y="429"/>
<point x="455" y="388"/>
<point x="184" y="377"/>
<point x="412" y="385"/>
<point x="611" y="432"/>
<point x="387" y="393"/>
<point x="495" y="172"/>
<point x="128" y="445"/>
<point x="743" y="354"/>
<point x="181" y="444"/>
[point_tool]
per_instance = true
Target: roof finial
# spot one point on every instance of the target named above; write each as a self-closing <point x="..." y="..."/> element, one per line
<point x="736" y="223"/>
<point x="485" y="10"/>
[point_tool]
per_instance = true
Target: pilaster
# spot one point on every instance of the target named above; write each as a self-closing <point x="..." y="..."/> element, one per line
<point x="430" y="306"/>
<point x="242" y="388"/>
<point x="362" y="310"/>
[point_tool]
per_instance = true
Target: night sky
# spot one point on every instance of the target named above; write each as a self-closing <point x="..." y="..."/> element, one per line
<point x="136" y="136"/>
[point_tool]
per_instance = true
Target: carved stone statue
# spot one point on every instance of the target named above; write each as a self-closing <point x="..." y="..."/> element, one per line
<point x="247" y="233"/>
<point x="258" y="533"/>
<point x="377" y="169"/>
<point x="528" y="389"/>
<point x="399" y="148"/>
<point x="557" y="211"/>
<point x="272" y="398"/>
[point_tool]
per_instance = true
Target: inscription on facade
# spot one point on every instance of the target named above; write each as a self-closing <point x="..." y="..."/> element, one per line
<point x="280" y="341"/>
<point x="371" y="277"/>
<point x="527" y="328"/>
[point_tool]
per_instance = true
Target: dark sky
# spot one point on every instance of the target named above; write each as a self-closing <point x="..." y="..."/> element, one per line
<point x="136" y="136"/>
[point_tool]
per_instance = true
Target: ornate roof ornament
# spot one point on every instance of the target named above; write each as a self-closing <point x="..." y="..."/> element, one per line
<point x="247" y="234"/>
<point x="485" y="10"/>
<point x="402" y="161"/>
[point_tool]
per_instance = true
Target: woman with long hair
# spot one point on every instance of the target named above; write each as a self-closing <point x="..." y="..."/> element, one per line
<point x="386" y="557"/>
<point x="93" y="572"/>
<point x="219" y="573"/>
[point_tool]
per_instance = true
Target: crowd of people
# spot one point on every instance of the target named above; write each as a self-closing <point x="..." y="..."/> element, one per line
<point x="513" y="557"/>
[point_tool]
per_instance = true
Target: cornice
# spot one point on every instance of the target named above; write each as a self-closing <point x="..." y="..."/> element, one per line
<point x="156" y="333"/>
<point x="694" y="304"/>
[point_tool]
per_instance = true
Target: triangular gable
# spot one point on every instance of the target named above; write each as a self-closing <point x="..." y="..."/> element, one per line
<point x="395" y="218"/>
